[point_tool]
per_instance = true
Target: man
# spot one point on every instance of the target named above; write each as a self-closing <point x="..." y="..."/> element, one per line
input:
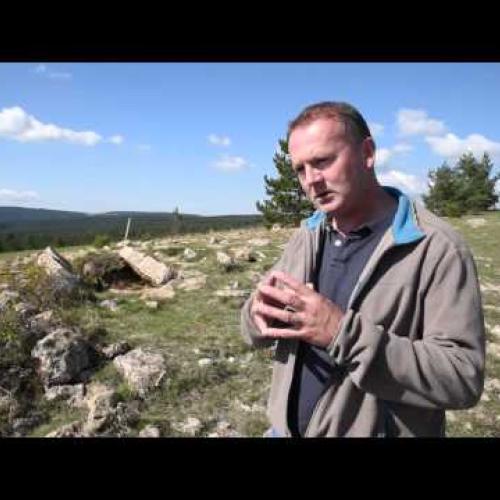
<point x="374" y="305"/>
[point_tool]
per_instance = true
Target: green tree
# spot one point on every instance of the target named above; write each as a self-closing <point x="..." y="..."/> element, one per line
<point x="288" y="204"/>
<point x="465" y="188"/>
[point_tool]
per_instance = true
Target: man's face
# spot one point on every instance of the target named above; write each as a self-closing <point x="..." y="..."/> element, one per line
<point x="331" y="168"/>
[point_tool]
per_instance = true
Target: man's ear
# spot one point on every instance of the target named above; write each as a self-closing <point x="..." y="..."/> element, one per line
<point x="368" y="146"/>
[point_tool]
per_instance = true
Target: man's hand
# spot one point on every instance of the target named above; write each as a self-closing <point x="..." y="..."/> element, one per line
<point x="311" y="317"/>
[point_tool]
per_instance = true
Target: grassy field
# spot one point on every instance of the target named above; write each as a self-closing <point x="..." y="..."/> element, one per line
<point x="212" y="374"/>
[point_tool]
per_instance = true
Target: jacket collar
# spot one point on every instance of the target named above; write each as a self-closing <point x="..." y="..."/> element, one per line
<point x="405" y="228"/>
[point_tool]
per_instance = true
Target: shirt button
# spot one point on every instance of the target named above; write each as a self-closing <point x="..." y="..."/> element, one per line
<point x="338" y="243"/>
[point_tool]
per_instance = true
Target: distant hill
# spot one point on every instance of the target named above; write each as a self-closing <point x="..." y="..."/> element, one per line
<point x="25" y="228"/>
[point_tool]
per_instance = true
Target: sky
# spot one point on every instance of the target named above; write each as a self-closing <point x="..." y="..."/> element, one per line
<point x="98" y="137"/>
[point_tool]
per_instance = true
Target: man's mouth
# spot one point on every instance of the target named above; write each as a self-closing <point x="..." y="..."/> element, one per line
<point x="323" y="196"/>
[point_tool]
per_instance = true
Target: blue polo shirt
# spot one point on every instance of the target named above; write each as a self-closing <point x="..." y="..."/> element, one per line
<point x="341" y="261"/>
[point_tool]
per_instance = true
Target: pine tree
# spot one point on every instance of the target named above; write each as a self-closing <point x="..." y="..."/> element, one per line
<point x="465" y="188"/>
<point x="288" y="204"/>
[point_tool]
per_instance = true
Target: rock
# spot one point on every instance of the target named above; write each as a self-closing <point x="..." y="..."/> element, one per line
<point x="496" y="331"/>
<point x="101" y="401"/>
<point x="74" y="429"/>
<point x="451" y="417"/>
<point x="142" y="370"/>
<point x="8" y="298"/>
<point x="63" y="355"/>
<point x="276" y="228"/>
<point x="25" y="309"/>
<point x="213" y="240"/>
<point x="224" y="429"/>
<point x="150" y="431"/>
<point x="232" y="293"/>
<point x="189" y="254"/>
<point x="42" y="323"/>
<point x="110" y="304"/>
<point x="194" y="283"/>
<point x="476" y="222"/>
<point x="152" y="304"/>
<point x="205" y="362"/>
<point x="259" y="242"/>
<point x="21" y="426"/>
<point x="192" y="426"/>
<point x="245" y="254"/>
<point x="113" y="350"/>
<point x="493" y="349"/>
<point x="492" y="384"/>
<point x="147" y="267"/>
<point x="73" y="394"/>
<point x="225" y="260"/>
<point x="59" y="269"/>
<point x="165" y="292"/>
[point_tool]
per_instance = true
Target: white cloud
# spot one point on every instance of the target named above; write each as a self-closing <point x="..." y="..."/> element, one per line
<point x="451" y="146"/>
<point x="42" y="69"/>
<point x="60" y="76"/>
<point x="402" y="148"/>
<point x="382" y="156"/>
<point x="16" y="124"/>
<point x="376" y="129"/>
<point x="408" y="183"/>
<point x="10" y="195"/>
<point x="116" y="139"/>
<point x="416" y="122"/>
<point x="231" y="163"/>
<point x="219" y="140"/>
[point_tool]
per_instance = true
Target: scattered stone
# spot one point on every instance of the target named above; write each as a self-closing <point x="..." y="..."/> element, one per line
<point x="192" y="426"/>
<point x="205" y="362"/>
<point x="113" y="350"/>
<point x="468" y="426"/>
<point x="189" y="254"/>
<point x="142" y="370"/>
<point x="74" y="429"/>
<point x="485" y="397"/>
<point x="213" y="240"/>
<point x="57" y="267"/>
<point x="476" y="222"/>
<point x="194" y="283"/>
<point x="225" y="260"/>
<point x="276" y="228"/>
<point x="492" y="384"/>
<point x="42" y="323"/>
<point x="259" y="242"/>
<point x="63" y="355"/>
<point x="495" y="331"/>
<point x="101" y="401"/>
<point x="493" y="349"/>
<point x="232" y="293"/>
<point x="147" y="267"/>
<point x="7" y="298"/>
<point x="245" y="254"/>
<point x="224" y="429"/>
<point x="231" y="359"/>
<point x="150" y="431"/>
<point x="110" y="304"/>
<point x="73" y="394"/>
<point x="165" y="292"/>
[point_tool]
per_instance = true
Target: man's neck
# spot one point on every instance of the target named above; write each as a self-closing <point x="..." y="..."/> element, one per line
<point x="375" y="207"/>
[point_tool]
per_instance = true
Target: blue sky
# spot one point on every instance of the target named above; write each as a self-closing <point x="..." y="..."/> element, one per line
<point x="98" y="137"/>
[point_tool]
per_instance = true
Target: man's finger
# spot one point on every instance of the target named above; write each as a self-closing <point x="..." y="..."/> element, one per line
<point x="283" y="297"/>
<point x="286" y="316"/>
<point x="290" y="282"/>
<point x="281" y="333"/>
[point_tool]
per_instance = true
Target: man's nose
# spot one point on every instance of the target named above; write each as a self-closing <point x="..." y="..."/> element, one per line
<point x="312" y="175"/>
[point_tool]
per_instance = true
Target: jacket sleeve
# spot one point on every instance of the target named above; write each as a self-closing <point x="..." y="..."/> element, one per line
<point x="444" y="368"/>
<point x="287" y="263"/>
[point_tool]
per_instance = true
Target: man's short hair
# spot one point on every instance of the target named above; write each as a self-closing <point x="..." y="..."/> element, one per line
<point x="356" y="125"/>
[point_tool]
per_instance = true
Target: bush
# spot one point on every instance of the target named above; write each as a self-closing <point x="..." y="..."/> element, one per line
<point x="101" y="240"/>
